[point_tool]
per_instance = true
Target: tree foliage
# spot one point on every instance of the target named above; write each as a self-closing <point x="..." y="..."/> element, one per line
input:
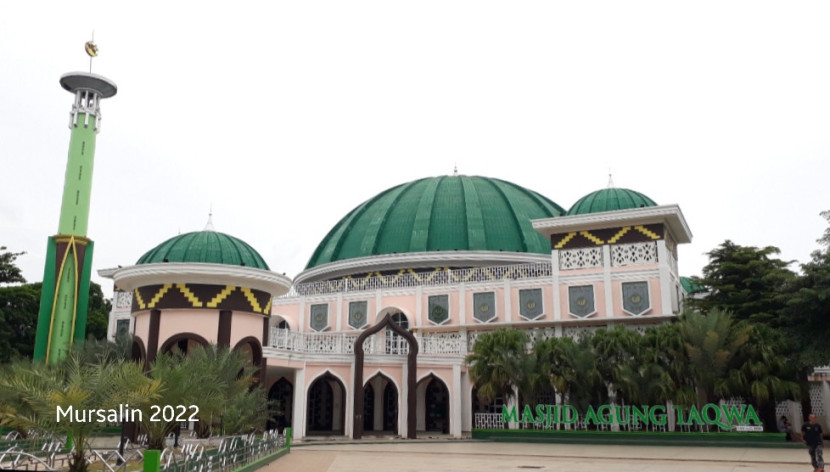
<point x="19" y="306"/>
<point x="18" y="321"/>
<point x="9" y="272"/>
<point x="749" y="282"/>
<point x="496" y="363"/>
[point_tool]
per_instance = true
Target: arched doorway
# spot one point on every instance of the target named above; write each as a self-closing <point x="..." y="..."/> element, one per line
<point x="282" y="394"/>
<point x="183" y="343"/>
<point x="326" y="406"/>
<point x="380" y="414"/>
<point x="434" y="411"/>
<point x="368" y="407"/>
<point x="390" y="408"/>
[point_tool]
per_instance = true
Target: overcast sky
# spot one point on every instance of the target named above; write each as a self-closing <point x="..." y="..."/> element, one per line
<point x="283" y="116"/>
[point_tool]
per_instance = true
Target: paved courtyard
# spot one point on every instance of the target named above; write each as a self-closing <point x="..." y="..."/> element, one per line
<point x="459" y="456"/>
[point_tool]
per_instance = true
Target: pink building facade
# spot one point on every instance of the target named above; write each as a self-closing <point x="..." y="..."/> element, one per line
<point x="446" y="259"/>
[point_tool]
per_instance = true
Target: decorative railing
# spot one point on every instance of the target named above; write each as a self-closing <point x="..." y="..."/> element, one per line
<point x="410" y="278"/>
<point x="581" y="258"/>
<point x="634" y="254"/>
<point x="456" y="342"/>
<point x="343" y="343"/>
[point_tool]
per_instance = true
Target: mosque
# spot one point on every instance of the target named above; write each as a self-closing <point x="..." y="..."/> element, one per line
<point x="397" y="292"/>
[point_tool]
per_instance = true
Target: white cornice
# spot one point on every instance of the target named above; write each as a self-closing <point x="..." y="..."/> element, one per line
<point x="418" y="260"/>
<point x="668" y="214"/>
<point x="129" y="278"/>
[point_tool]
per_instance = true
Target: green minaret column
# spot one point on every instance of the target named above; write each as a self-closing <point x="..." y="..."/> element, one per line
<point x="65" y="296"/>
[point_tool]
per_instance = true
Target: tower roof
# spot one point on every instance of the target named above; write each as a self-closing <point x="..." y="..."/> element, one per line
<point x="207" y="247"/>
<point x="610" y="199"/>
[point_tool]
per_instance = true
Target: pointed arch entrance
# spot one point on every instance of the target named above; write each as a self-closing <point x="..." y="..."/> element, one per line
<point x="433" y="405"/>
<point x="282" y="393"/>
<point x="325" y="406"/>
<point x="380" y="405"/>
<point x="410" y="384"/>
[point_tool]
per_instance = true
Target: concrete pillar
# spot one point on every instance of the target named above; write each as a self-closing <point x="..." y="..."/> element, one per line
<point x="298" y="420"/>
<point x="666" y="287"/>
<point x="455" y="402"/>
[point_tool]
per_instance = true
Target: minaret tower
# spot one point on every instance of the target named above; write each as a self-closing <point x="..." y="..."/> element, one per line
<point x="65" y="295"/>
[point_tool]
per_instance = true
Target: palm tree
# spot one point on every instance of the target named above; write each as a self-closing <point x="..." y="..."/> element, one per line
<point x="571" y="367"/>
<point x="615" y="349"/>
<point x="763" y="373"/>
<point x="710" y="343"/>
<point x="217" y="384"/>
<point x="39" y="393"/>
<point x="496" y="363"/>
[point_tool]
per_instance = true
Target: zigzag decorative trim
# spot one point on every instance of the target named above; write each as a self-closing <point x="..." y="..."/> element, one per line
<point x="592" y="238"/>
<point x="139" y="300"/>
<point x="158" y="295"/>
<point x="251" y="299"/>
<point x="565" y="240"/>
<point x="221" y="296"/>
<point x="647" y="232"/>
<point x="620" y="234"/>
<point x="191" y="297"/>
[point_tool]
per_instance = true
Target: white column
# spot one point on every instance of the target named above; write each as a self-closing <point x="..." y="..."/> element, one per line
<point x="378" y="302"/>
<point x="508" y="312"/>
<point x="557" y="297"/>
<point x="462" y="304"/>
<point x="338" y="312"/>
<point x="456" y="404"/>
<point x="606" y="279"/>
<point x="419" y="305"/>
<point x="298" y="420"/>
<point x="466" y="403"/>
<point x="402" y="404"/>
<point x="348" y="429"/>
<point x="665" y="277"/>
<point x="302" y="315"/>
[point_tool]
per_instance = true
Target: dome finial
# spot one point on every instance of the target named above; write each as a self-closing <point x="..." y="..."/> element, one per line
<point x="209" y="225"/>
<point x="610" y="179"/>
<point x="455" y="169"/>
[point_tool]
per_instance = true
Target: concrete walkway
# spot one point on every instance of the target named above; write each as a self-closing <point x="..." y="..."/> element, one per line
<point x="460" y="456"/>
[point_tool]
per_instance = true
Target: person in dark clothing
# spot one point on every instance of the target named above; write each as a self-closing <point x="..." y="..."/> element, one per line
<point x="813" y="437"/>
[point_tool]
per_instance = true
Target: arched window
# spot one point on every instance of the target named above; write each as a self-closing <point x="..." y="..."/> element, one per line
<point x="395" y="343"/>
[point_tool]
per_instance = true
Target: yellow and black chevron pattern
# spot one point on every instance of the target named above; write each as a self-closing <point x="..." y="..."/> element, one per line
<point x="222" y="297"/>
<point x="598" y="237"/>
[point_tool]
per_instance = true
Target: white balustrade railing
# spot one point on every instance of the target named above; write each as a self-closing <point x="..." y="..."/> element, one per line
<point x="414" y="279"/>
<point x="343" y="343"/>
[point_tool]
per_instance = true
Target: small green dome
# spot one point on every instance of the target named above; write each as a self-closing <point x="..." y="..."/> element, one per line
<point x="448" y="213"/>
<point x="207" y="247"/>
<point x="610" y="199"/>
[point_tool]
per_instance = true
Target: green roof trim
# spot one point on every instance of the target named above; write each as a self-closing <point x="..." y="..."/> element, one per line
<point x="210" y="247"/>
<point x="448" y="213"/>
<point x="690" y="286"/>
<point x="610" y="199"/>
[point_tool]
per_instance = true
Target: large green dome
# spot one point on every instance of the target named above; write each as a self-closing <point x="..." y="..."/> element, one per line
<point x="610" y="199"/>
<point x="448" y="213"/>
<point x="206" y="246"/>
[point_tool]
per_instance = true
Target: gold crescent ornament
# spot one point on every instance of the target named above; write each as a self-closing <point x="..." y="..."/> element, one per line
<point x="91" y="49"/>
